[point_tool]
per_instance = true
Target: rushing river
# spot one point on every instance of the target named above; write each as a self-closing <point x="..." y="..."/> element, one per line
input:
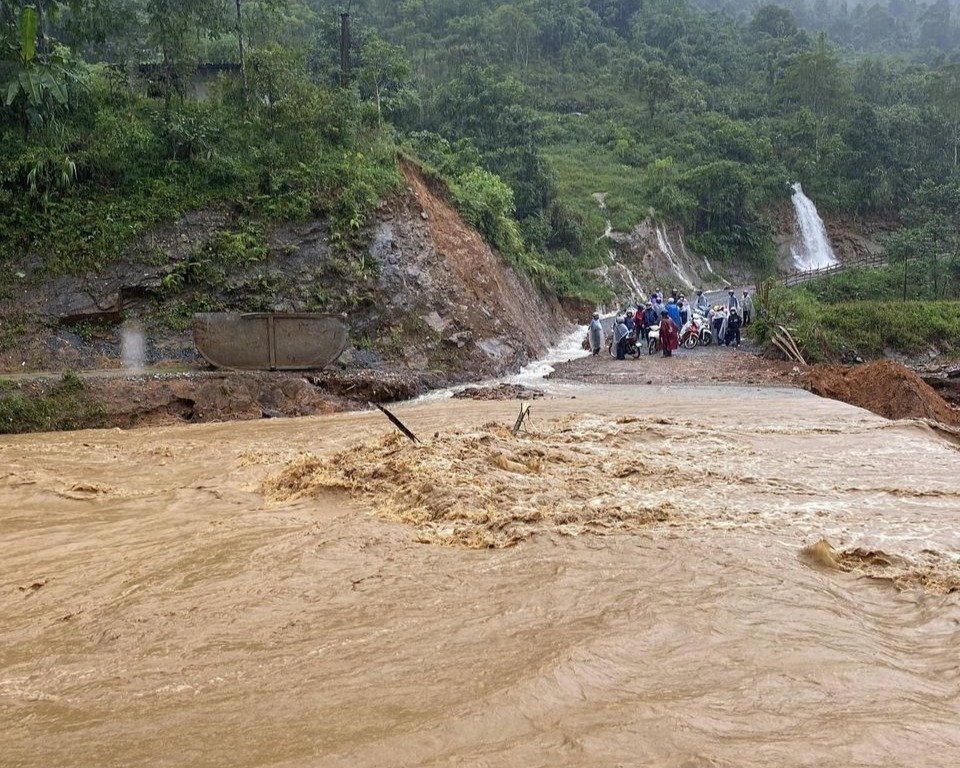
<point x="155" y="610"/>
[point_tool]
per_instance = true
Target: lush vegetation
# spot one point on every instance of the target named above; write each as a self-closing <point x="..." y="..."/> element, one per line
<point x="118" y="114"/>
<point x="848" y="331"/>
<point x="63" y="406"/>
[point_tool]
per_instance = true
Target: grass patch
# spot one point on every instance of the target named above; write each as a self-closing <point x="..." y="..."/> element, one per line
<point x="64" y="406"/>
<point x="831" y="332"/>
<point x="581" y="170"/>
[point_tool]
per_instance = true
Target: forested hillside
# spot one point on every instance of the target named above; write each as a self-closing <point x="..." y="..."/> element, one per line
<point x="119" y="114"/>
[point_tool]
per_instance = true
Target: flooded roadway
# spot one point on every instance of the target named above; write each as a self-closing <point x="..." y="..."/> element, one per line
<point x="156" y="610"/>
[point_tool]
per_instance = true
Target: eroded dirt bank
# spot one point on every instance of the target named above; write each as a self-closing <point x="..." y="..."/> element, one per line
<point x="423" y="292"/>
<point x="156" y="608"/>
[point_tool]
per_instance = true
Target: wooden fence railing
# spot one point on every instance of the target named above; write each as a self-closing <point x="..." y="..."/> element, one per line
<point x="873" y="260"/>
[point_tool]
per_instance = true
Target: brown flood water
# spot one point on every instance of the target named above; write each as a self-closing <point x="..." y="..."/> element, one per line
<point x="156" y="610"/>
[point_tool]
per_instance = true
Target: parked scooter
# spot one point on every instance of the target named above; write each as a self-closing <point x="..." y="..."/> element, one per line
<point x="705" y="332"/>
<point x="653" y="344"/>
<point x="633" y="348"/>
<point x="690" y="334"/>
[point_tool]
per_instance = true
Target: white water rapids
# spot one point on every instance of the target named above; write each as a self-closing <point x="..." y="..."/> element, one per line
<point x="811" y="248"/>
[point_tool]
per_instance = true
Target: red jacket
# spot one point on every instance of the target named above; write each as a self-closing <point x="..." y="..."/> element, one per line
<point x="669" y="334"/>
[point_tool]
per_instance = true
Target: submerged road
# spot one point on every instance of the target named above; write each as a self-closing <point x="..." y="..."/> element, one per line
<point x="666" y="602"/>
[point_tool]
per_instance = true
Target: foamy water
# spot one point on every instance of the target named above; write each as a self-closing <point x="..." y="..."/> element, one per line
<point x="159" y="609"/>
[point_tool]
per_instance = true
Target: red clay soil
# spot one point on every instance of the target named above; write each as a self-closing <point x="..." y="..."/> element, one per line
<point x="884" y="387"/>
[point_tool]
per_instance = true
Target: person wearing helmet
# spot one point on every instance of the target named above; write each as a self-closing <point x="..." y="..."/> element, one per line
<point x="673" y="311"/>
<point x="596" y="334"/>
<point x="732" y="338"/>
<point x="620" y="334"/>
<point x="650" y="319"/>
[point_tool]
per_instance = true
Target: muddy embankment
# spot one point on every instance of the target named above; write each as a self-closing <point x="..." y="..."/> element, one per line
<point x="428" y="302"/>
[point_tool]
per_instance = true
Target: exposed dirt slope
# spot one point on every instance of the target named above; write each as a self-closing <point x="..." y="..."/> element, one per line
<point x="427" y="293"/>
<point x="884" y="387"/>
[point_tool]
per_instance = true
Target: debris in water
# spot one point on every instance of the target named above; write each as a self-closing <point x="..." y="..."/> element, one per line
<point x="501" y="392"/>
<point x="938" y="575"/>
<point x="490" y="488"/>
<point x="396" y="422"/>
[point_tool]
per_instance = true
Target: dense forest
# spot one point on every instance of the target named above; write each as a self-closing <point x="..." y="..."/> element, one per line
<point x="118" y="114"/>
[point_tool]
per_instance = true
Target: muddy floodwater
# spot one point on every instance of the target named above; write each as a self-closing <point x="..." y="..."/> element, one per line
<point x="657" y="592"/>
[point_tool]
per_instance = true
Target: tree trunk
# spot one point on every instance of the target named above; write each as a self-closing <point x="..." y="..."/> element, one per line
<point x="243" y="58"/>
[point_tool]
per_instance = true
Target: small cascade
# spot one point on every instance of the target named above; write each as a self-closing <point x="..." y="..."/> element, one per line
<point x="623" y="272"/>
<point x="664" y="242"/>
<point x="811" y="248"/>
<point x="630" y="280"/>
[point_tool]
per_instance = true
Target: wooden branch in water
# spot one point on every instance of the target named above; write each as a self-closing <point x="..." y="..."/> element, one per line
<point x="395" y="421"/>
<point x="524" y="413"/>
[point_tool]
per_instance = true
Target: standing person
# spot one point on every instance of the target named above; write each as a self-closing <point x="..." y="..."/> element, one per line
<point x="746" y="306"/>
<point x="673" y="311"/>
<point x="596" y="334"/>
<point x="649" y="320"/>
<point x="732" y="301"/>
<point x="669" y="334"/>
<point x="733" y="329"/>
<point x="717" y="318"/>
<point x="620" y="333"/>
<point x="684" y="311"/>
<point x="702" y="303"/>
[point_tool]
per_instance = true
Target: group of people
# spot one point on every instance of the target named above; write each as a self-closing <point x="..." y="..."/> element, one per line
<point x="669" y="316"/>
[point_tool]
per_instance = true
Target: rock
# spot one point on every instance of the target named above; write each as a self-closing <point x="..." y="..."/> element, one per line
<point x="434" y="322"/>
<point x="459" y="340"/>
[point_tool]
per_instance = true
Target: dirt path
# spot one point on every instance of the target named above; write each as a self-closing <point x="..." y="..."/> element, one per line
<point x="704" y="365"/>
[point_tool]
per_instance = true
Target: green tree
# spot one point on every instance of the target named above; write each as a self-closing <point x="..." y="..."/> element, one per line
<point x="775" y="21"/>
<point x="653" y="82"/>
<point x="818" y="82"/>
<point x="945" y="90"/>
<point x="38" y="75"/>
<point x="384" y="74"/>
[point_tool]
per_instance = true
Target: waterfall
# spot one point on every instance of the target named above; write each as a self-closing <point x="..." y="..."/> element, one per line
<point x="811" y="247"/>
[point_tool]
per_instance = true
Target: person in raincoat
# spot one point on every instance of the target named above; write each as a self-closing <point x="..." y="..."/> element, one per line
<point x="703" y="305"/>
<point x="650" y="319"/>
<point x="620" y="333"/>
<point x="673" y="311"/>
<point x="746" y="308"/>
<point x="732" y="337"/>
<point x="596" y="334"/>
<point x="732" y="301"/>
<point x="669" y="334"/>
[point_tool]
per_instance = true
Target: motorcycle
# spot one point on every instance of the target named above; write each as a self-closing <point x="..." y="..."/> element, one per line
<point x="690" y="334"/>
<point x="705" y="333"/>
<point x="633" y="349"/>
<point x="653" y="343"/>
